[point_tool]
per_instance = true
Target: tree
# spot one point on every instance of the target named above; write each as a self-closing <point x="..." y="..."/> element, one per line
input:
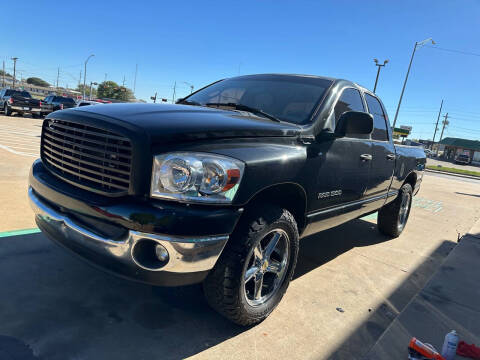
<point x="87" y="90"/>
<point x="37" y="81"/>
<point x="111" y="90"/>
<point x="6" y="73"/>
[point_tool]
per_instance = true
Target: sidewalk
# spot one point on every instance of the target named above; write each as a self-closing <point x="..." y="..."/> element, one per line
<point x="449" y="301"/>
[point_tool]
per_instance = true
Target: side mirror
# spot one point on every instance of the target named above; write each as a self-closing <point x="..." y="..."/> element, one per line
<point x="179" y="100"/>
<point x="354" y="122"/>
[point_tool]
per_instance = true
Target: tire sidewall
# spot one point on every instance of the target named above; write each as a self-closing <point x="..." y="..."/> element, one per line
<point x="267" y="307"/>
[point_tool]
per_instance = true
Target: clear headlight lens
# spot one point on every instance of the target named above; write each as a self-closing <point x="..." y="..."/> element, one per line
<point x="196" y="177"/>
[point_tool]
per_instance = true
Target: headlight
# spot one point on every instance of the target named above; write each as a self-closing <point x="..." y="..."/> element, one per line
<point x="195" y="177"/>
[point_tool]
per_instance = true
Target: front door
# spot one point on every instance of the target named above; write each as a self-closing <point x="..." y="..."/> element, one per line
<point x="342" y="170"/>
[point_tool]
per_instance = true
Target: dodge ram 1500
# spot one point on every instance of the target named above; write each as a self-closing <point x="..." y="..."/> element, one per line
<point x="220" y="187"/>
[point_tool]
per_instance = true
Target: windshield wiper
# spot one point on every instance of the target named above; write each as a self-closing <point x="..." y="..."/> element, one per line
<point x="242" y="107"/>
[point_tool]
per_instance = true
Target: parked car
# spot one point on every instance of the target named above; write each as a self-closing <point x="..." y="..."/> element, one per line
<point x="57" y="103"/>
<point x="20" y="102"/>
<point x="81" y="103"/>
<point x="463" y="159"/>
<point x="221" y="187"/>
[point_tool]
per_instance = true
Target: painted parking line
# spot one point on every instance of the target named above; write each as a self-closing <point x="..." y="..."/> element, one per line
<point x="19" y="232"/>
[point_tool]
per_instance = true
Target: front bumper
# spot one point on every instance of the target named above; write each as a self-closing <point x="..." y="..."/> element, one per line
<point x="118" y="249"/>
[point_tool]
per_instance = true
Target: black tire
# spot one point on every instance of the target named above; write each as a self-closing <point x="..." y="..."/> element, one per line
<point x="393" y="217"/>
<point x="225" y="287"/>
<point x="6" y="110"/>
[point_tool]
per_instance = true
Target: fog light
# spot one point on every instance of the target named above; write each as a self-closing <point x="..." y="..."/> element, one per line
<point x="161" y="252"/>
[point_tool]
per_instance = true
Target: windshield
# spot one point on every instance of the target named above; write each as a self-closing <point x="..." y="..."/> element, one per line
<point x="286" y="97"/>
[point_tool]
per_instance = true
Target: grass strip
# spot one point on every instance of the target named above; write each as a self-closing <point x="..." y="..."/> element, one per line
<point x="453" y="170"/>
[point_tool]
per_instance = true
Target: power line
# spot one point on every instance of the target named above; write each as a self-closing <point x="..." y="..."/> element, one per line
<point x="453" y="50"/>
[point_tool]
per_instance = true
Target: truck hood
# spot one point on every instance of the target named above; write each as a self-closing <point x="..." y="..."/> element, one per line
<point x="168" y="122"/>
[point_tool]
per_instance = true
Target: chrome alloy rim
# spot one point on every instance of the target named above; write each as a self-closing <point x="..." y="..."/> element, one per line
<point x="404" y="208"/>
<point x="266" y="267"/>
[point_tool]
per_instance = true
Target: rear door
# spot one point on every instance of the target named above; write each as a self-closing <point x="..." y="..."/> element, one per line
<point x="383" y="151"/>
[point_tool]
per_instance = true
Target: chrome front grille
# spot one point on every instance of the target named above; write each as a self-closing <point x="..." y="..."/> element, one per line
<point x="90" y="157"/>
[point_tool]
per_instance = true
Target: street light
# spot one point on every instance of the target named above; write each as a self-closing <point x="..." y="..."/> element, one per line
<point x="378" y="71"/>
<point x="190" y="85"/>
<point x="91" y="83"/>
<point x="85" y="75"/>
<point x="421" y="43"/>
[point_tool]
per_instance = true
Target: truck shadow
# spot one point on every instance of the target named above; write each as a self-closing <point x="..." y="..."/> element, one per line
<point x="318" y="249"/>
<point x="54" y="306"/>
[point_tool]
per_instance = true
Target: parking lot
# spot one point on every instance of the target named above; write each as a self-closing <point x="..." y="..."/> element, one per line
<point x="350" y="283"/>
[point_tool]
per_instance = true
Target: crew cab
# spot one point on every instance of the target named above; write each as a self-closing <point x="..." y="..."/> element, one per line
<point x="20" y="102"/>
<point x="56" y="103"/>
<point x="220" y="187"/>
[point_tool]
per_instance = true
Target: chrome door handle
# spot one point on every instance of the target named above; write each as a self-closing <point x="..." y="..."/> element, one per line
<point x="391" y="157"/>
<point x="366" y="157"/>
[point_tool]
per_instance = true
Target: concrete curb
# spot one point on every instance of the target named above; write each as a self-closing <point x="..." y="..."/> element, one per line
<point x="453" y="174"/>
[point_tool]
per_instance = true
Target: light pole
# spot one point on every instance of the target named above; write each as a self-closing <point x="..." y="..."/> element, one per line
<point x="85" y="75"/>
<point x="91" y="83"/>
<point x="190" y="85"/>
<point x="378" y="71"/>
<point x="421" y="43"/>
<point x="14" y="70"/>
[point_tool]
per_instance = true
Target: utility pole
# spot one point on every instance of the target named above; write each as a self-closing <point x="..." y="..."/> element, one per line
<point x="436" y="125"/>
<point x="174" y="92"/>
<point x="445" y="123"/>
<point x="123" y="82"/>
<point x="80" y="79"/>
<point x="378" y="71"/>
<point x="105" y="78"/>
<point x="58" y="75"/>
<point x="14" y="70"/>
<point x="3" y="82"/>
<point x="135" y="81"/>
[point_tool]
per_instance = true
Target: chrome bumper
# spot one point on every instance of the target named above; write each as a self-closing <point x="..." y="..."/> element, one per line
<point x="185" y="254"/>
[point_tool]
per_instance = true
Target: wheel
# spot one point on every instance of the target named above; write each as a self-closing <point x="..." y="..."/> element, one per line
<point x="6" y="110"/>
<point x="256" y="266"/>
<point x="393" y="217"/>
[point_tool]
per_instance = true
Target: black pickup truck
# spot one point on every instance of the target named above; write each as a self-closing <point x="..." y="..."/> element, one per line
<point x="220" y="187"/>
<point x="20" y="102"/>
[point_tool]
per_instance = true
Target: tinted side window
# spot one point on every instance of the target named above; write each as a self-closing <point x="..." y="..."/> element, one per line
<point x="379" y="121"/>
<point x="350" y="100"/>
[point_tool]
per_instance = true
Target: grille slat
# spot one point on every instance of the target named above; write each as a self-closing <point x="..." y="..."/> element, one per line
<point x="109" y="184"/>
<point x="93" y="158"/>
<point x="85" y="170"/>
<point x="83" y="138"/>
<point x="86" y="147"/>
<point x="74" y="159"/>
<point x="77" y="152"/>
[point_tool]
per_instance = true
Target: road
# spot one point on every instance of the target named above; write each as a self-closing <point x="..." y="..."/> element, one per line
<point x="55" y="306"/>
<point x="436" y="162"/>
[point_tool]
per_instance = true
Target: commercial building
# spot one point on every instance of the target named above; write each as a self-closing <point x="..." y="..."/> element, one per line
<point x="452" y="147"/>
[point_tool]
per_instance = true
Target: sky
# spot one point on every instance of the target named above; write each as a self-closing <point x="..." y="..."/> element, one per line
<point x="198" y="42"/>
